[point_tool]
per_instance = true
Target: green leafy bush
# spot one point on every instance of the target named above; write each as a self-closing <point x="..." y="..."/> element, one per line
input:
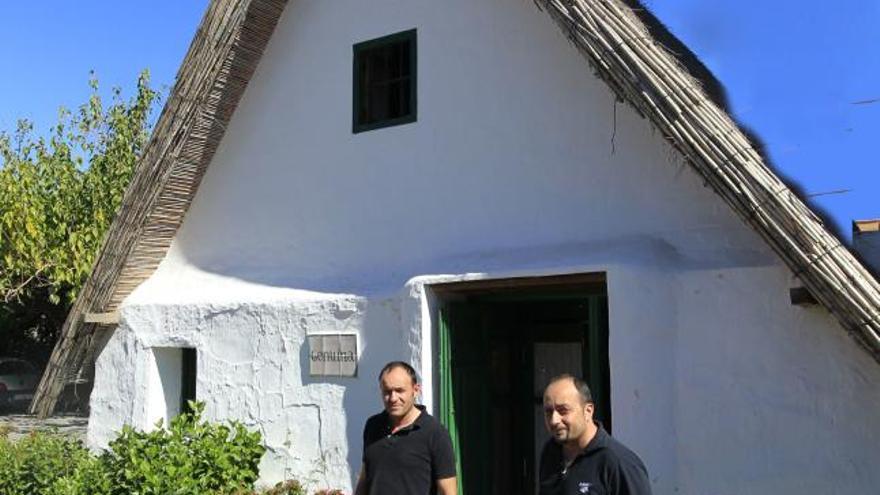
<point x="289" y="487"/>
<point x="292" y="487"/>
<point x="89" y="478"/>
<point x="32" y="465"/>
<point x="190" y="457"/>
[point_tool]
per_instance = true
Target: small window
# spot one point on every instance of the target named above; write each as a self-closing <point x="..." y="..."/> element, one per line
<point x="188" y="378"/>
<point x="385" y="81"/>
<point x="171" y="382"/>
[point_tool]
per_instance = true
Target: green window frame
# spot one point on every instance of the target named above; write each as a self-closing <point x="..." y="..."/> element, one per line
<point x="384" y="82"/>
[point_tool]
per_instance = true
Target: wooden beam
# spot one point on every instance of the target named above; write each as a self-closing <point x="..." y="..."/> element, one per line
<point x="863" y="226"/>
<point x="549" y="282"/>
<point x="111" y="318"/>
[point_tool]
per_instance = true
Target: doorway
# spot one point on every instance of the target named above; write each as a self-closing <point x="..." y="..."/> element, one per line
<point x="500" y="342"/>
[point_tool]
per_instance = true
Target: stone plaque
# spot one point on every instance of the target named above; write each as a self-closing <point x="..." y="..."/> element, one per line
<point x="333" y="355"/>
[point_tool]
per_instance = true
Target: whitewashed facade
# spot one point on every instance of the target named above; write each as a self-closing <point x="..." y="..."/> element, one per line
<point x="520" y="164"/>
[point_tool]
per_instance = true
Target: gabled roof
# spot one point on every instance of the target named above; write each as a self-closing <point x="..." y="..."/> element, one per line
<point x="624" y="45"/>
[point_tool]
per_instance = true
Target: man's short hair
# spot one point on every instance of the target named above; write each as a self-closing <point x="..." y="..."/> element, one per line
<point x="404" y="366"/>
<point x="581" y="386"/>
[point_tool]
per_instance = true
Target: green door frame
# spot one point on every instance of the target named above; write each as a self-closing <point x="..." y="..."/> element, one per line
<point x="447" y="398"/>
<point x="595" y="362"/>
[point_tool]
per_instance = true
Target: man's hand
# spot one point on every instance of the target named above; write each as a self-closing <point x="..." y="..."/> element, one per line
<point x="447" y="486"/>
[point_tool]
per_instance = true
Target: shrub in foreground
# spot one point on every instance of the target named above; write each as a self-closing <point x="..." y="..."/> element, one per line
<point x="289" y="487"/>
<point x="33" y="464"/>
<point x="190" y="457"/>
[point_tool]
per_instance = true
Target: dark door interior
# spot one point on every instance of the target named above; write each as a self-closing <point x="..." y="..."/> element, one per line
<point x="497" y="354"/>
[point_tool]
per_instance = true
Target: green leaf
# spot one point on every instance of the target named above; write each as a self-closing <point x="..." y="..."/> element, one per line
<point x="58" y="194"/>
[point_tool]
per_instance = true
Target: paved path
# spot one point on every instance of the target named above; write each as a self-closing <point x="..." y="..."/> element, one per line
<point x="21" y="424"/>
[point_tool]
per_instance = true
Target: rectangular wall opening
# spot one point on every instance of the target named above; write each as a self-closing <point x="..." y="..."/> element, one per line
<point x="187" y="378"/>
<point x="172" y="383"/>
<point x="500" y="341"/>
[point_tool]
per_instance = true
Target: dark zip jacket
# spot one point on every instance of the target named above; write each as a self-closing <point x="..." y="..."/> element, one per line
<point x="604" y="467"/>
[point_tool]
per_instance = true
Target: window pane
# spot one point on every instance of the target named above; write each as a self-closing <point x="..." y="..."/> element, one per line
<point x="383" y="89"/>
<point x="376" y="104"/>
<point x="404" y="59"/>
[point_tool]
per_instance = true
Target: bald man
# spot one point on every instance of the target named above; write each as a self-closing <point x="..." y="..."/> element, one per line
<point x="581" y="457"/>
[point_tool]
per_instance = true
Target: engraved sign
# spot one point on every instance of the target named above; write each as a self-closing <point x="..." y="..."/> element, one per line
<point x="333" y="355"/>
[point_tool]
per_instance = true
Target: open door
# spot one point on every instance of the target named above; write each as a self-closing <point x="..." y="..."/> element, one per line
<point x="496" y="355"/>
<point x="464" y="406"/>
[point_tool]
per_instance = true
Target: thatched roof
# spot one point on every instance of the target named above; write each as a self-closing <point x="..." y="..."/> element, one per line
<point x="626" y="47"/>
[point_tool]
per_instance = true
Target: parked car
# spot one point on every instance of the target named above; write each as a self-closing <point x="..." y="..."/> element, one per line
<point x="18" y="379"/>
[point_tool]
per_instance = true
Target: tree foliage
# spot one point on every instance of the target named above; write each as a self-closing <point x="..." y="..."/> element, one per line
<point x="58" y="195"/>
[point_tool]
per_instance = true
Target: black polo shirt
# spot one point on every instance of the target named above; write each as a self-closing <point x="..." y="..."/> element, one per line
<point x="604" y="467"/>
<point x="408" y="461"/>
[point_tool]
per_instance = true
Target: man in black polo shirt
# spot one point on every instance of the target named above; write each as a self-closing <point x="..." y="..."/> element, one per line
<point x="581" y="457"/>
<point x="406" y="451"/>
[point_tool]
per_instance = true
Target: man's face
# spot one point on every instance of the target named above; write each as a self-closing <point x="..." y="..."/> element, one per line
<point x="398" y="392"/>
<point x="565" y="416"/>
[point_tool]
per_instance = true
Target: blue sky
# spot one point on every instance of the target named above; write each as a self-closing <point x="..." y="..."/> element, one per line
<point x="795" y="72"/>
<point x="48" y="47"/>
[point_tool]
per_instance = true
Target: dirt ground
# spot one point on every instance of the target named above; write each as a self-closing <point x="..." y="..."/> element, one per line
<point x="21" y="424"/>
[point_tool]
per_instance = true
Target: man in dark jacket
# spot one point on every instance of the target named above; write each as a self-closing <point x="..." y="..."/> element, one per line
<point x="581" y="456"/>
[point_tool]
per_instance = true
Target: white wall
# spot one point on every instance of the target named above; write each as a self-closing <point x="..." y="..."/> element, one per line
<point x="253" y="368"/>
<point x="164" y="375"/>
<point x="772" y="398"/>
<point x="300" y="227"/>
<point x="512" y="153"/>
<point x="717" y="381"/>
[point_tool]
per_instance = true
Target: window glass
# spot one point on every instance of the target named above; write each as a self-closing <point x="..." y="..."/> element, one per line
<point x="385" y="81"/>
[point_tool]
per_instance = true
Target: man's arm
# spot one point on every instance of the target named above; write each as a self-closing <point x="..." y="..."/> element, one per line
<point x="631" y="478"/>
<point x="443" y="463"/>
<point x="447" y="486"/>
